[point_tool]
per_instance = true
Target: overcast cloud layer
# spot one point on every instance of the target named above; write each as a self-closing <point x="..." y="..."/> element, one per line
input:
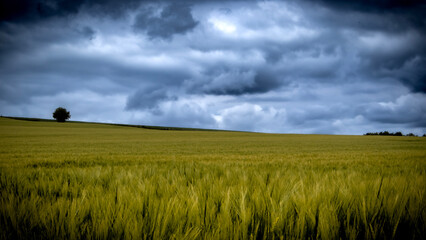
<point x="334" y="67"/>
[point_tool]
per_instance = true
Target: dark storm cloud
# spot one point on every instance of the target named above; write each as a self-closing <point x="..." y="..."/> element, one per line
<point x="377" y="6"/>
<point x="408" y="109"/>
<point x="386" y="36"/>
<point x="408" y="12"/>
<point x="398" y="55"/>
<point x="233" y="82"/>
<point x="30" y="10"/>
<point x="88" y="32"/>
<point x="404" y="62"/>
<point x="410" y="71"/>
<point x="182" y="114"/>
<point x="415" y="76"/>
<point x="33" y="10"/>
<point x="173" y="19"/>
<point x="16" y="39"/>
<point x="66" y="71"/>
<point x="147" y="98"/>
<point x="24" y="11"/>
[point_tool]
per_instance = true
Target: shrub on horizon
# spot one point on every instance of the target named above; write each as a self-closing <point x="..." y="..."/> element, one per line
<point x="386" y="133"/>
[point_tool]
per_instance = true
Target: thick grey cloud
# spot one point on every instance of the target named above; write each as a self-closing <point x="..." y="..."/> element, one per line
<point x="172" y="19"/>
<point x="25" y="11"/>
<point x="390" y="33"/>
<point x="407" y="109"/>
<point x="402" y="13"/>
<point x="147" y="98"/>
<point x="274" y="66"/>
<point x="29" y="10"/>
<point x="233" y="82"/>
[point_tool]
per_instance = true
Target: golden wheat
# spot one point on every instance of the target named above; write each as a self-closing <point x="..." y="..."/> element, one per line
<point x="75" y="180"/>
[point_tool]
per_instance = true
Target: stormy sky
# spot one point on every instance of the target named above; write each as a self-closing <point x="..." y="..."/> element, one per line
<point x="305" y="66"/>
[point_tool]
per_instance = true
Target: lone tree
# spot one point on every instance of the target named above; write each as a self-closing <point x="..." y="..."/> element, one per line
<point x="61" y="114"/>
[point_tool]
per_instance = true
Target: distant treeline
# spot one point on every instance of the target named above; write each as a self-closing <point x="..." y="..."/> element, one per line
<point x="386" y="133"/>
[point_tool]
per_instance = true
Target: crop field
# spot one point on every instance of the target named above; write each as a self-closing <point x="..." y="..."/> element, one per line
<point x="95" y="181"/>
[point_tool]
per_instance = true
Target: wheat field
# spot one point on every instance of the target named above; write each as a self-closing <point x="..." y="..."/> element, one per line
<point x="96" y="181"/>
